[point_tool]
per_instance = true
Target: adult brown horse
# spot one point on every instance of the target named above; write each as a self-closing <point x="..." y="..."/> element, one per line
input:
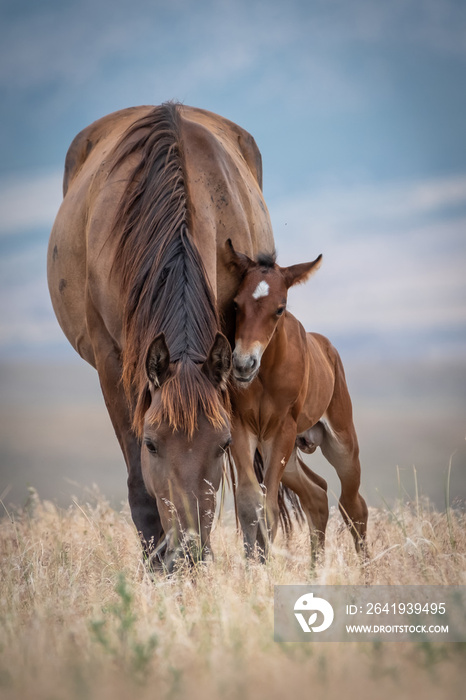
<point x="138" y="284"/>
<point x="291" y="390"/>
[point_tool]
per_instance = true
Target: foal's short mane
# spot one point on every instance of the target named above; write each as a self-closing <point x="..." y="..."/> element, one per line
<point x="164" y="286"/>
<point x="266" y="260"/>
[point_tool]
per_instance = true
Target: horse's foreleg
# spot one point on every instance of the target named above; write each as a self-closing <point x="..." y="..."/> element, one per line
<point x="312" y="492"/>
<point x="249" y="494"/>
<point x="144" y="511"/>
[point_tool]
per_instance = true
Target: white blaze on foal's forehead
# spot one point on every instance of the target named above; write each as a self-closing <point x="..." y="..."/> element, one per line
<point x="262" y="290"/>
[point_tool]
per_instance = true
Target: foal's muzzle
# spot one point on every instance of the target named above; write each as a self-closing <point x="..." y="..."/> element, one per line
<point x="245" y="367"/>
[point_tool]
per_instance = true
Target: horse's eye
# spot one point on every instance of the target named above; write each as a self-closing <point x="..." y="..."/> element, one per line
<point x="280" y="310"/>
<point x="223" y="448"/>
<point x="151" y="446"/>
<point x="235" y="306"/>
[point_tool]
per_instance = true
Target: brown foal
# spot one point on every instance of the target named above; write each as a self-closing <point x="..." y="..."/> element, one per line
<point x="290" y="390"/>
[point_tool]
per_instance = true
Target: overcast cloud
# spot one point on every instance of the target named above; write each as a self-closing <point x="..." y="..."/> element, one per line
<point x="359" y="110"/>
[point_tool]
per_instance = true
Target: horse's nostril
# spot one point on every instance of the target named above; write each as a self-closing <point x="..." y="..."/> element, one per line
<point x="252" y="362"/>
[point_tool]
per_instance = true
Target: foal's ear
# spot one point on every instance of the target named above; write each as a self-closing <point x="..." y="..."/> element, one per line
<point x="158" y="361"/>
<point x="295" y="274"/>
<point x="236" y="261"/>
<point x="218" y="364"/>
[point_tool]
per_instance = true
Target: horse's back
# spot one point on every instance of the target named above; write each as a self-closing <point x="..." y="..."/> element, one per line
<point x="224" y="181"/>
<point x="69" y="263"/>
<point x="232" y="136"/>
<point x="106" y="128"/>
<point x="223" y="175"/>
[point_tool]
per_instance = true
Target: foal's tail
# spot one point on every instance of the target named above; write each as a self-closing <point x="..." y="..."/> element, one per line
<point x="288" y="501"/>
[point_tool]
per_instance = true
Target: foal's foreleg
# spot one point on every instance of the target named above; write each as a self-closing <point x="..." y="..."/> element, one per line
<point x="276" y="453"/>
<point x="249" y="494"/>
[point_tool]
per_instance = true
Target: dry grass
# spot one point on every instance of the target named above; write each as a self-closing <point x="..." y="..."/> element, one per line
<point x="81" y="618"/>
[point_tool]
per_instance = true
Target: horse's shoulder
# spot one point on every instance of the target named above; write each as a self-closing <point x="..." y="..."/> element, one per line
<point x="87" y="139"/>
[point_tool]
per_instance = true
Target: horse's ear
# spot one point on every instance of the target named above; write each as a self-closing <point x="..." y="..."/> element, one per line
<point x="158" y="361"/>
<point x="218" y="365"/>
<point x="295" y="274"/>
<point x="236" y="261"/>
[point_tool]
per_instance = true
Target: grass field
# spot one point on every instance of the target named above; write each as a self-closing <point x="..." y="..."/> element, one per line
<point x="81" y="618"/>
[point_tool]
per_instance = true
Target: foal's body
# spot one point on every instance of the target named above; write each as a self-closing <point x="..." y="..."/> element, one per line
<point x="268" y="416"/>
<point x="294" y="385"/>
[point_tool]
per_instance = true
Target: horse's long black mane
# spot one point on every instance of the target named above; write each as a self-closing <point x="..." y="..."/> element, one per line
<point x="164" y="285"/>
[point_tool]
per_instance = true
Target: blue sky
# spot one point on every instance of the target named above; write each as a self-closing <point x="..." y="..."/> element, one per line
<point x="359" y="109"/>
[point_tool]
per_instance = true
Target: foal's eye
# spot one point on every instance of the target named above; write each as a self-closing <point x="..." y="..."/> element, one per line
<point x="151" y="446"/>
<point x="280" y="310"/>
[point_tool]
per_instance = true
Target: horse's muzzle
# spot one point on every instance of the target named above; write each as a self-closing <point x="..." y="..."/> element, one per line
<point x="174" y="553"/>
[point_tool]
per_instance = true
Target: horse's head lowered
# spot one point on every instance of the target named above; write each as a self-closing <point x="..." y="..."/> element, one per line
<point x="185" y="434"/>
<point x="260" y="305"/>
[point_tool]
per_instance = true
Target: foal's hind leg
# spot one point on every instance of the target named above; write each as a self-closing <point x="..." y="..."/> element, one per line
<point x="312" y="492"/>
<point x="340" y="447"/>
<point x="344" y="457"/>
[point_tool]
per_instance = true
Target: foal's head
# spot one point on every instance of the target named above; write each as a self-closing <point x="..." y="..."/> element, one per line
<point x="260" y="305"/>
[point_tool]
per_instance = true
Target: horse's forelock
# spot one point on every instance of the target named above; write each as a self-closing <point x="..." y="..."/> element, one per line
<point x="185" y="396"/>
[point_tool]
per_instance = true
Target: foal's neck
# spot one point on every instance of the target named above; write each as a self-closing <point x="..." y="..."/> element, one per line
<point x="276" y="351"/>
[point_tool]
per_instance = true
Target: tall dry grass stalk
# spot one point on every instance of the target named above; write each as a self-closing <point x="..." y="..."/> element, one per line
<point x="81" y="617"/>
